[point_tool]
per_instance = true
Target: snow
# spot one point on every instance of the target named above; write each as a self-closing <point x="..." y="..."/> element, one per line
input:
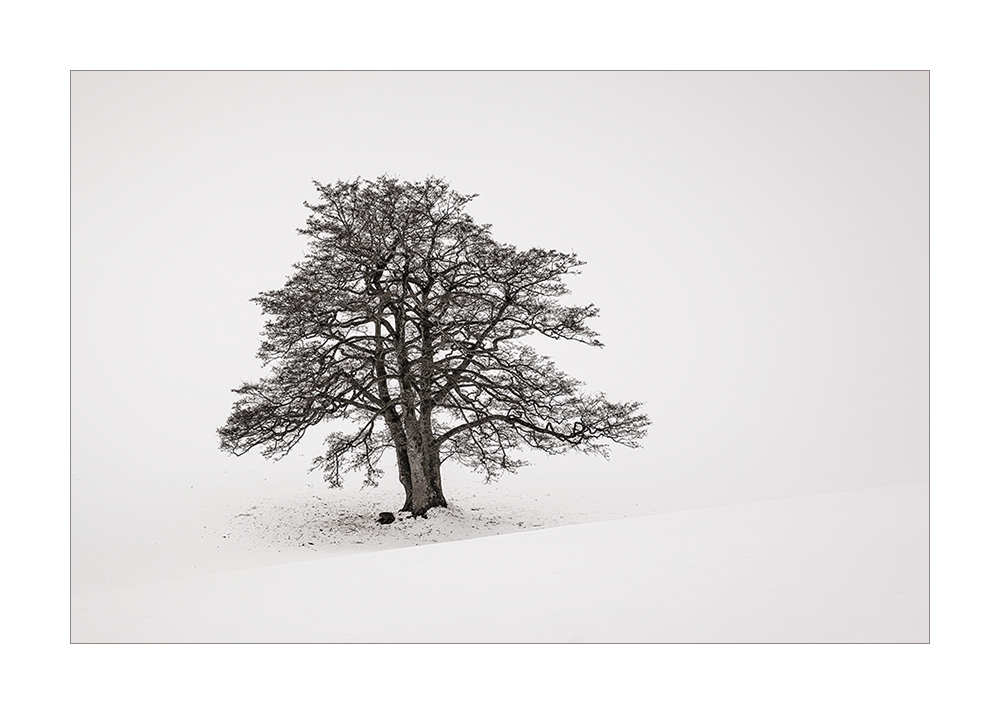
<point x="836" y="567"/>
<point x="267" y="523"/>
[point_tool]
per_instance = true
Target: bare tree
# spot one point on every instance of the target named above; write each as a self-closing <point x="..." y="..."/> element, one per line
<point x="403" y="321"/>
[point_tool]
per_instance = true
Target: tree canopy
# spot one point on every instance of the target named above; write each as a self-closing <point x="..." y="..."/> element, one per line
<point x="403" y="327"/>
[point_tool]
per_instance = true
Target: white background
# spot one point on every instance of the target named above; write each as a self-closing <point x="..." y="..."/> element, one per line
<point x="757" y="243"/>
<point x="882" y="38"/>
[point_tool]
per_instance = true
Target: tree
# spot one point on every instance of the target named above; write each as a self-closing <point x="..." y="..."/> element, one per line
<point x="404" y="322"/>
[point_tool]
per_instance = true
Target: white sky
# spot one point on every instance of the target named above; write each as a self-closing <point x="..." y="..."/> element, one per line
<point x="757" y="242"/>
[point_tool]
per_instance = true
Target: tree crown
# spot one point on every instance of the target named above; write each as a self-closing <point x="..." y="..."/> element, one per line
<point x="404" y="319"/>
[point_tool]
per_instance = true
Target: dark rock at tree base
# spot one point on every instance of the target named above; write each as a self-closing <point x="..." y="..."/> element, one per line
<point x="385" y="517"/>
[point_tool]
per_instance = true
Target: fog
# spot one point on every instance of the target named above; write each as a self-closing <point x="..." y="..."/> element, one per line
<point x="757" y="244"/>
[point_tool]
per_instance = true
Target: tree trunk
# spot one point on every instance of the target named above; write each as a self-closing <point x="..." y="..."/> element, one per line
<point x="425" y="472"/>
<point x="419" y="497"/>
<point x="398" y="432"/>
<point x="432" y="494"/>
<point x="403" y="464"/>
<point x="434" y="475"/>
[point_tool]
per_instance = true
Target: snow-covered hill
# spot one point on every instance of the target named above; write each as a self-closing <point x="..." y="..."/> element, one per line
<point x="836" y="567"/>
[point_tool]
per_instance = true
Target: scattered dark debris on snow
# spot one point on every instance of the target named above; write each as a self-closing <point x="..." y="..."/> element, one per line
<point x="328" y="527"/>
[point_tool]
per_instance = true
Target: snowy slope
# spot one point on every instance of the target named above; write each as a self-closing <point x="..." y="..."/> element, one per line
<point x="837" y="567"/>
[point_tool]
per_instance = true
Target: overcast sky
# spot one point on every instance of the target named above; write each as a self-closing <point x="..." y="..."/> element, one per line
<point x="757" y="244"/>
